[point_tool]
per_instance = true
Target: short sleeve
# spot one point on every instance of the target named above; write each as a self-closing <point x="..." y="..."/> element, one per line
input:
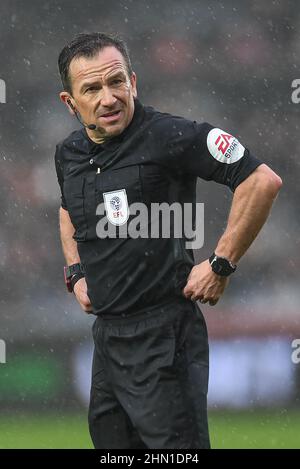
<point x="209" y="153"/>
<point x="60" y="174"/>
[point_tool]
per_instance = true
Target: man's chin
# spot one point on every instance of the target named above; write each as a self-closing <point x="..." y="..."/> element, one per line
<point x="113" y="131"/>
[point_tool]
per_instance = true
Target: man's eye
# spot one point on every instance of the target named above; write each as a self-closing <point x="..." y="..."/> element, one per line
<point x="91" y="89"/>
<point x="117" y="81"/>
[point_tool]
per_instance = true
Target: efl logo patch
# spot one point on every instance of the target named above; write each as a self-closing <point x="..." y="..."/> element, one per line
<point x="224" y="147"/>
<point x="116" y="206"/>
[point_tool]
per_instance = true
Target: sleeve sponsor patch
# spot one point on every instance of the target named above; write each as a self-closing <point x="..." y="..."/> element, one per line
<point x="224" y="147"/>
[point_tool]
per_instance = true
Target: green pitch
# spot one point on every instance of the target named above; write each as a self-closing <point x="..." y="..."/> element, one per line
<point x="227" y="429"/>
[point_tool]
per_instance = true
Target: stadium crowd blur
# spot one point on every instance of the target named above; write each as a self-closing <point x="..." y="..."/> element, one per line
<point x="229" y="63"/>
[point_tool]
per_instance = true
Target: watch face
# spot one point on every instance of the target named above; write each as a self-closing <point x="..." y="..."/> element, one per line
<point x="218" y="266"/>
<point x="221" y="266"/>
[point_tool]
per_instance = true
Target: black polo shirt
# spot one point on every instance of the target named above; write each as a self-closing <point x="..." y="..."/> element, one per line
<point x="157" y="158"/>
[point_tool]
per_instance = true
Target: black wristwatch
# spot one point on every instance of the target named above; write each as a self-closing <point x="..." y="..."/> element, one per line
<point x="72" y="274"/>
<point x="221" y="265"/>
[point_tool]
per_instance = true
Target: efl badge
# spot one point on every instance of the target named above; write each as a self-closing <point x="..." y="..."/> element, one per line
<point x="224" y="147"/>
<point x="116" y="206"/>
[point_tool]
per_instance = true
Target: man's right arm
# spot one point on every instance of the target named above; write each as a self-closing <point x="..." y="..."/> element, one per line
<point x="69" y="246"/>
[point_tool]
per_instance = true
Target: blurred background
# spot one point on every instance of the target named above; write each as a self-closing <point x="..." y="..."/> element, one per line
<point x="229" y="63"/>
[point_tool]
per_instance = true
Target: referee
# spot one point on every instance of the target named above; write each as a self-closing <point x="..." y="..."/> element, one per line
<point x="150" y="365"/>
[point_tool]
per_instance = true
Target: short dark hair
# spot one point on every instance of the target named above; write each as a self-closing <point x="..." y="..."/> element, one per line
<point x="87" y="45"/>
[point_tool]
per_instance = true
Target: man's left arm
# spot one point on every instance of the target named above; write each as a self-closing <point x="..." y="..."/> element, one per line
<point x="251" y="204"/>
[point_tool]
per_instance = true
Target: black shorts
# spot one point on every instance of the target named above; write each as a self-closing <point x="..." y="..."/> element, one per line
<point x="150" y="380"/>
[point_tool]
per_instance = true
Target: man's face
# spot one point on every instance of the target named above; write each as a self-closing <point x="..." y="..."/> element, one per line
<point x="102" y="92"/>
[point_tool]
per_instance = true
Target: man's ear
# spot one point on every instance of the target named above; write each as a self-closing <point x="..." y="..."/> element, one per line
<point x="133" y="84"/>
<point x="67" y="99"/>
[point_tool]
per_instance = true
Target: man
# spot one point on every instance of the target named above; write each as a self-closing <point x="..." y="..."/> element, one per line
<point x="150" y="367"/>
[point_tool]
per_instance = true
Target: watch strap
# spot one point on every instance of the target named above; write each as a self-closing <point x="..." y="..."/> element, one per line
<point x="70" y="272"/>
<point x="75" y="278"/>
<point x="74" y="269"/>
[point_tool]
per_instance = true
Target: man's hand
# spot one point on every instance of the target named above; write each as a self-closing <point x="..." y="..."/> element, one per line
<point x="80" y="290"/>
<point x="204" y="285"/>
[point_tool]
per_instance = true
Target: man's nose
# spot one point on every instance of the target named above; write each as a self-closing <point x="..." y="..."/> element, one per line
<point x="107" y="98"/>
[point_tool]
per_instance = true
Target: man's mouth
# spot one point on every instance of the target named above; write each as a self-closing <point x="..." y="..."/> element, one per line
<point x="111" y="116"/>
